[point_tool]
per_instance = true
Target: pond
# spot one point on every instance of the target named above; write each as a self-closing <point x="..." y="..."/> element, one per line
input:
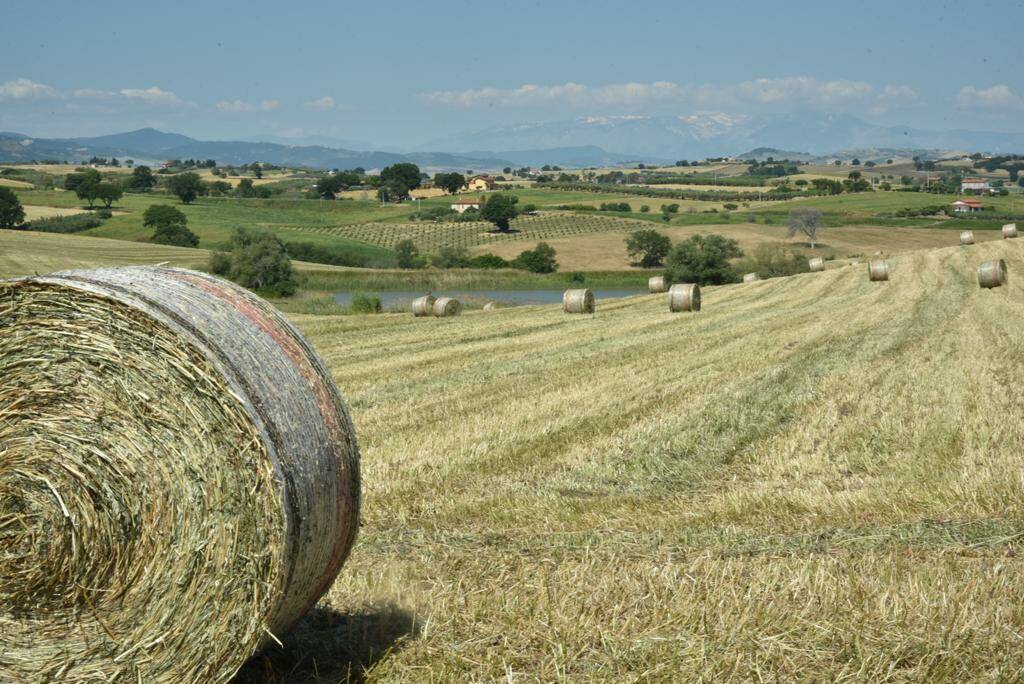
<point x="402" y="300"/>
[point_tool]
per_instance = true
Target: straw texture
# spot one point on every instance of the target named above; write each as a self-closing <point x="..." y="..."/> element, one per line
<point x="657" y="284"/>
<point x="179" y="477"/>
<point x="684" y="297"/>
<point x="578" y="301"/>
<point x="751" y="278"/>
<point x="967" y="237"/>
<point x="992" y="273"/>
<point x="1009" y="230"/>
<point x="423" y="306"/>
<point x="446" y="306"/>
<point x="816" y="264"/>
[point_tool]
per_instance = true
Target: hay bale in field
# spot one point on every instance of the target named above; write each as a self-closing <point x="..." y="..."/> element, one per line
<point x="877" y="253"/>
<point x="992" y="273"/>
<point x="878" y="270"/>
<point x="657" y="284"/>
<point x="751" y="278"/>
<point x="446" y="306"/>
<point x="578" y="301"/>
<point x="816" y="264"/>
<point x="1009" y="230"/>
<point x="967" y="237"/>
<point x="490" y="306"/>
<point x="179" y="477"/>
<point x="423" y="306"/>
<point x="684" y="297"/>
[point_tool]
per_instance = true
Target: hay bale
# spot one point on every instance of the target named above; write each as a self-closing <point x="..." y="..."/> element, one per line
<point x="878" y="270"/>
<point x="1009" y="230"/>
<point x="967" y="237"/>
<point x="490" y="306"/>
<point x="578" y="301"/>
<point x="684" y="297"/>
<point x="877" y="253"/>
<point x="751" y="278"/>
<point x="446" y="306"/>
<point x="816" y="264"/>
<point x="992" y="273"/>
<point x="657" y="284"/>
<point x="423" y="306"/>
<point x="179" y="477"/>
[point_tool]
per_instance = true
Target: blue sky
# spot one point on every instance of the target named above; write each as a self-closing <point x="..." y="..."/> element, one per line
<point x="397" y="74"/>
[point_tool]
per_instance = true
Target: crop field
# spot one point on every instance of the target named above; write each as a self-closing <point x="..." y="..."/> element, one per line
<point x="814" y="478"/>
<point x="607" y="251"/>
<point x="430" y="236"/>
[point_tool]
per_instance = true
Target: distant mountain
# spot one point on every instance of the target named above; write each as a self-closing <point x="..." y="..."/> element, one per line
<point x="763" y="153"/>
<point x="585" y="155"/>
<point x="148" y="144"/>
<point x="715" y="134"/>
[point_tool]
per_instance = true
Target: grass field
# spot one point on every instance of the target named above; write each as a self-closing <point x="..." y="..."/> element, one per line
<point x="816" y="478"/>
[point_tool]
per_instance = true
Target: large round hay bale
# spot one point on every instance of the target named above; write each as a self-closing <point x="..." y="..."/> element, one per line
<point x="179" y="477"/>
<point x="878" y="269"/>
<point x="657" y="284"/>
<point x="816" y="264"/>
<point x="1009" y="230"/>
<point x="967" y="237"/>
<point x="684" y="297"/>
<point x="992" y="273"/>
<point x="751" y="278"/>
<point x="423" y="306"/>
<point x="447" y="306"/>
<point x="578" y="301"/>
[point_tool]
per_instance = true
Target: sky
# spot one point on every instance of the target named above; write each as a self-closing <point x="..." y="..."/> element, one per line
<point x="395" y="75"/>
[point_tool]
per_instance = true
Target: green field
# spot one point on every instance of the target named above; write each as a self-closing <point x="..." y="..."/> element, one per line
<point x="815" y="474"/>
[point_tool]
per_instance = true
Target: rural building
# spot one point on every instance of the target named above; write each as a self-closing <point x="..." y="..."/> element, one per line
<point x="966" y="206"/>
<point x="462" y="205"/>
<point x="975" y="185"/>
<point x="481" y="183"/>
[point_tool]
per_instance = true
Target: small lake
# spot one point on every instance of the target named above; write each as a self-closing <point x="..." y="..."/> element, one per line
<point x="401" y="300"/>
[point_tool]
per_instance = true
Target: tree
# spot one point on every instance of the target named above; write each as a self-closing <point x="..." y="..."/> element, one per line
<point x="141" y="180"/>
<point x="187" y="186"/>
<point x="806" y="221"/>
<point x="328" y="186"/>
<point x="11" y="211"/>
<point x="648" y="248"/>
<point x="257" y="170"/>
<point x="450" y="182"/>
<point x="500" y="209"/>
<point x="540" y="259"/>
<point x="258" y="261"/>
<point x="507" y="169"/>
<point x="170" y="226"/>
<point x="408" y="255"/>
<point x="400" y="179"/>
<point x="108" y="193"/>
<point x="702" y="259"/>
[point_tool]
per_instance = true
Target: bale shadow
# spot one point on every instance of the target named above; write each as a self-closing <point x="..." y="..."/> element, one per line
<point x="330" y="646"/>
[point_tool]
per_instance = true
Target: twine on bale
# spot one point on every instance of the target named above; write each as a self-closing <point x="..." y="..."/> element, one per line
<point x="816" y="264"/>
<point x="446" y="306"/>
<point x="992" y="273"/>
<point x="1009" y="230"/>
<point x="423" y="306"/>
<point x="684" y="297"/>
<point x="578" y="301"/>
<point x="179" y="477"/>
<point x="878" y="270"/>
<point x="751" y="278"/>
<point x="657" y="284"/>
<point x="967" y="237"/>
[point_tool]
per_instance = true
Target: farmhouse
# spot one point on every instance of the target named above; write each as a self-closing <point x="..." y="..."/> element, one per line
<point x="975" y="185"/>
<point x="464" y="204"/>
<point x="481" y="183"/>
<point x="966" y="206"/>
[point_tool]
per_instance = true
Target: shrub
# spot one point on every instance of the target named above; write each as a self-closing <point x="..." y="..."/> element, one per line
<point x="450" y="257"/>
<point x="644" y="209"/>
<point x="730" y="206"/>
<point x="170" y="226"/>
<point x="408" y="255"/>
<point x="616" y="206"/>
<point x="540" y="259"/>
<point x="771" y="260"/>
<point x="434" y="214"/>
<point x="258" y="261"/>
<point x="577" y="277"/>
<point x="103" y="213"/>
<point x="336" y="255"/>
<point x="489" y="260"/>
<point x="365" y="303"/>
<point x="75" y="223"/>
<point x="703" y="259"/>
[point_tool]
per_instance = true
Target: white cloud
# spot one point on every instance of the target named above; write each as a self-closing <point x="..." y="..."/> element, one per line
<point x="92" y="94"/>
<point x="901" y="94"/>
<point x="240" y="106"/>
<point x="324" y="103"/>
<point x="787" y="90"/>
<point x="24" y="89"/>
<point x="997" y="97"/>
<point x="152" y="96"/>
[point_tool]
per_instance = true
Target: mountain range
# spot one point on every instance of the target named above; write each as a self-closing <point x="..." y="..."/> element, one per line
<point x="580" y="142"/>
